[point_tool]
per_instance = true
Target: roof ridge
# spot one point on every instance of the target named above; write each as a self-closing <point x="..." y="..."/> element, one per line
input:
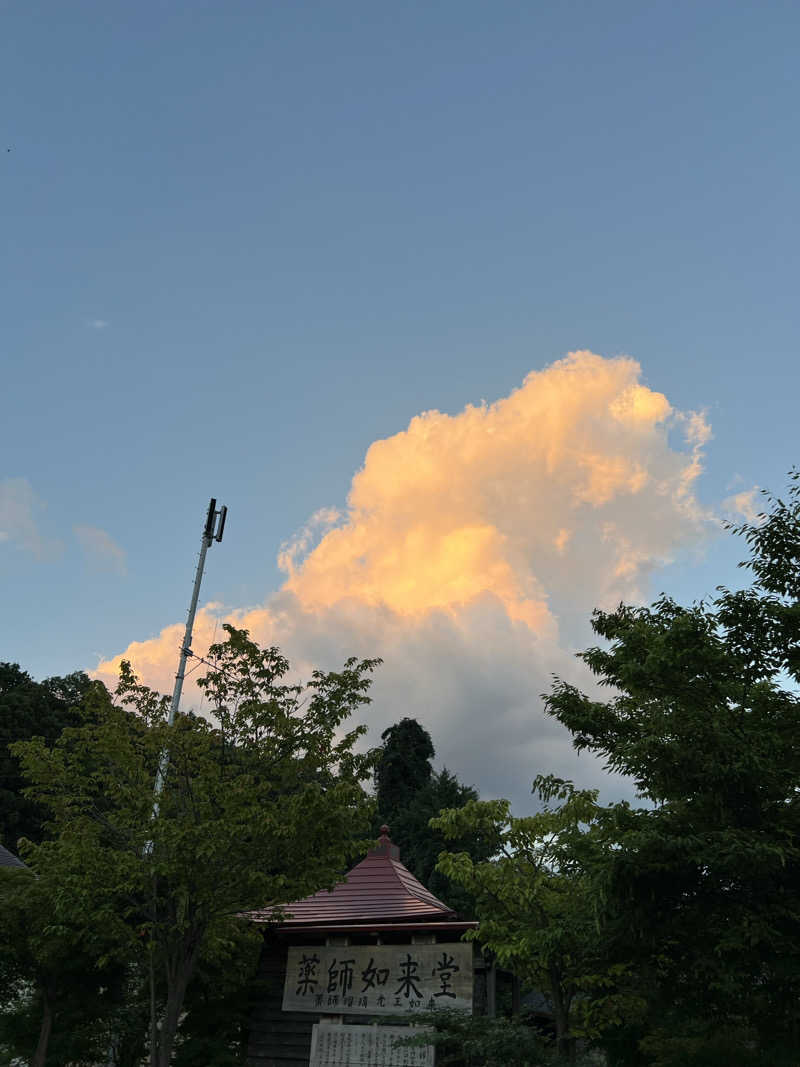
<point x="418" y="890"/>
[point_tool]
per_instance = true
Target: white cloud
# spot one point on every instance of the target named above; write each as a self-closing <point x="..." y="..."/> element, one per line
<point x="744" y="505"/>
<point x="97" y="324"/>
<point x="101" y="548"/>
<point x="19" y="508"/>
<point x="470" y="555"/>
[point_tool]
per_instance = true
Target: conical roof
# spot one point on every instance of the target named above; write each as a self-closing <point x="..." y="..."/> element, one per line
<point x="379" y="889"/>
<point x="8" y="859"/>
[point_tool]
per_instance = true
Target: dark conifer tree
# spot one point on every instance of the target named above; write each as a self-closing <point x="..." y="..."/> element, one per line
<point x="409" y="794"/>
<point x="30" y="709"/>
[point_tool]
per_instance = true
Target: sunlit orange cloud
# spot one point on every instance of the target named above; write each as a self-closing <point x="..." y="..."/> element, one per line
<point x="498" y="528"/>
<point x="487" y="500"/>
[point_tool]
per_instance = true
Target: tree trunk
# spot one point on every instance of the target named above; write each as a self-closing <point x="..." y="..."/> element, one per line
<point x="566" y="1047"/>
<point x="177" y="984"/>
<point x="153" y="1019"/>
<point x="40" y="1055"/>
<point x="565" y="1042"/>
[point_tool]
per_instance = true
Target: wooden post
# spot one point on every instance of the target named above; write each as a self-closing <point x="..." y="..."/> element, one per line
<point x="491" y="987"/>
<point x="514" y="996"/>
<point x="343" y="941"/>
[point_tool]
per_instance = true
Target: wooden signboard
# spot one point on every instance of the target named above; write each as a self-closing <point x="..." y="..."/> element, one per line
<point x="335" y="1045"/>
<point x="378" y="979"/>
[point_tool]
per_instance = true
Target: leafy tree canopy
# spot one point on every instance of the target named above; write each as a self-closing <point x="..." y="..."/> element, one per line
<point x="704" y="885"/>
<point x="259" y="808"/>
<point x="30" y="709"/>
<point x="534" y="899"/>
<point x="59" y="978"/>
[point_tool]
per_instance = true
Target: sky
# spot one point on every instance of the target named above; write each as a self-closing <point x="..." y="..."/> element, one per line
<point x="476" y="317"/>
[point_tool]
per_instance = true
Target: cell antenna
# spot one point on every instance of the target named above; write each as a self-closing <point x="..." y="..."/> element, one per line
<point x="223" y="514"/>
<point x="210" y="517"/>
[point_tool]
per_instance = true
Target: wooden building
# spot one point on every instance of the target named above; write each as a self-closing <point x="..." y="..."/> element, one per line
<point x="377" y="946"/>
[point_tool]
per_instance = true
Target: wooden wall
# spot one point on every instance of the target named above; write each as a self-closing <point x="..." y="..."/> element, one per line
<point x="277" y="1038"/>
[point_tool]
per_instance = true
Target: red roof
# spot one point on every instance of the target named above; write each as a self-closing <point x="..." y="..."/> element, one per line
<point x="379" y="889"/>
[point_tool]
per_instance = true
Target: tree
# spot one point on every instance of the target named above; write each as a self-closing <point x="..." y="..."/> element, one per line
<point x="28" y="709"/>
<point x="60" y="981"/>
<point x="409" y="794"/>
<point x="258" y="809"/>
<point x="704" y="884"/>
<point x="534" y="900"/>
<point x="466" y="1040"/>
<point x="220" y="1001"/>
<point x="404" y="766"/>
<point x="58" y="977"/>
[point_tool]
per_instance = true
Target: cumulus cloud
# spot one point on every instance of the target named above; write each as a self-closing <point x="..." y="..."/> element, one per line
<point x="470" y="554"/>
<point x="101" y="548"/>
<point x="19" y="510"/>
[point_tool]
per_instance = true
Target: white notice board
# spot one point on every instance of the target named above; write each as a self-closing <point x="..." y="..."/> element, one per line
<point x="337" y="1045"/>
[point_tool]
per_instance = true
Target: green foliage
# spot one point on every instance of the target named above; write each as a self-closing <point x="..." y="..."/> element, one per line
<point x="220" y="1001"/>
<point x="409" y="794"/>
<point x="258" y="809"/>
<point x="535" y="899"/>
<point x="29" y="709"/>
<point x="50" y="969"/>
<point x="701" y="890"/>
<point x="464" y="1040"/>
<point x="717" y="1048"/>
<point x="404" y="767"/>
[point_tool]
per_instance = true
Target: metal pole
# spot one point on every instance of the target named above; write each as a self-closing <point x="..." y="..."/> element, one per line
<point x="185" y="651"/>
<point x="212" y="530"/>
<point x="186" y="648"/>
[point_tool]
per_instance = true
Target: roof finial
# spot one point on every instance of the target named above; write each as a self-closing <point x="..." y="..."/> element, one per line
<point x="384" y="846"/>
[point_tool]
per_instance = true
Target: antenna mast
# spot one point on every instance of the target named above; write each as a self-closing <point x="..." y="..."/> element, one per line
<point x="212" y="531"/>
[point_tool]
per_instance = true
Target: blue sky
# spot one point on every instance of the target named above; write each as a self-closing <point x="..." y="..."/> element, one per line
<point x="242" y="242"/>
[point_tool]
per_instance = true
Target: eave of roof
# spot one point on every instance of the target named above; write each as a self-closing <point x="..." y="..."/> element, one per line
<point x="452" y="925"/>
